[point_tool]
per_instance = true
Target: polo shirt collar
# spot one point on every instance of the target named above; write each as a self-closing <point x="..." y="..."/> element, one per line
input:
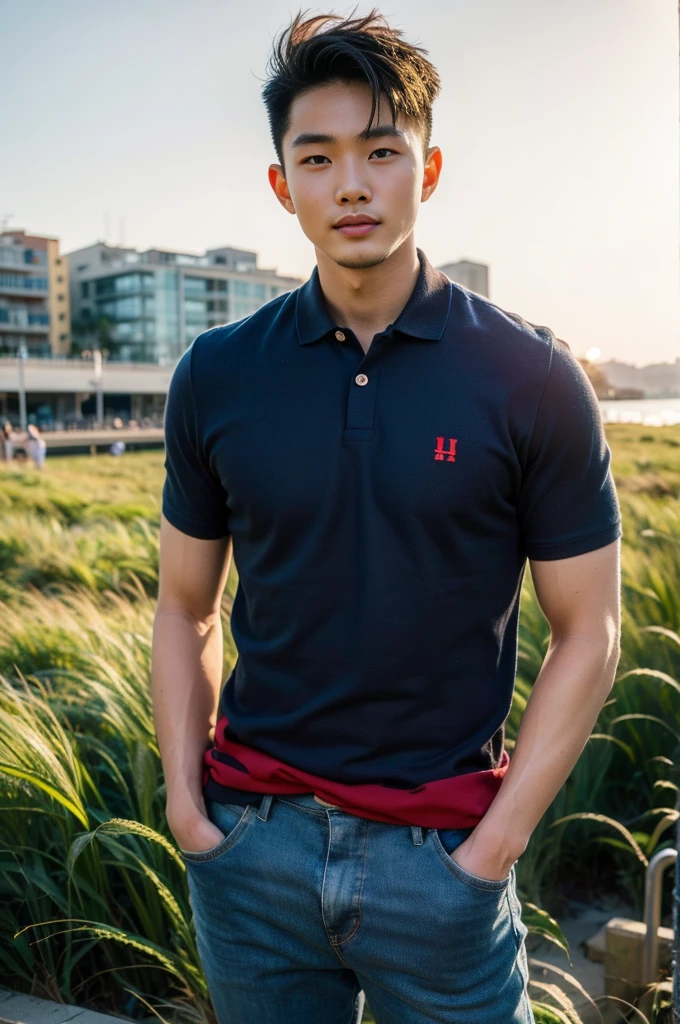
<point x="424" y="316"/>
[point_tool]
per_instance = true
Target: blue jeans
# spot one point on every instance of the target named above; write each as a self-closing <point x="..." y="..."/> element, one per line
<point x="301" y="908"/>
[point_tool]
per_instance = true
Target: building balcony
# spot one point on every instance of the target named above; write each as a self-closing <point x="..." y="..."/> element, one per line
<point x="30" y="328"/>
<point x="6" y="263"/>
<point x="10" y="260"/>
<point x="23" y="292"/>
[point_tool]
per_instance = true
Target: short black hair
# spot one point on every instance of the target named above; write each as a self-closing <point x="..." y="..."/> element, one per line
<point x="329" y="48"/>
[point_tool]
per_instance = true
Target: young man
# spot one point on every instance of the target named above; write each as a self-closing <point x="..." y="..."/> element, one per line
<point x="382" y="450"/>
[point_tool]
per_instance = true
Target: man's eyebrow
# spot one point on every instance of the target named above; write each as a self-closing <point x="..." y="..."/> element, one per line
<point x="313" y="139"/>
<point x="380" y="131"/>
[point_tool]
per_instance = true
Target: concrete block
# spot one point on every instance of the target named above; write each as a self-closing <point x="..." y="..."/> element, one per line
<point x="624" y="956"/>
<point x="19" y="1008"/>
<point x="596" y="946"/>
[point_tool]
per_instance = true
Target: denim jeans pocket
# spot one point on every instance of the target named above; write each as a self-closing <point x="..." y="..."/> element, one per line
<point x="232" y="819"/>
<point x="445" y="841"/>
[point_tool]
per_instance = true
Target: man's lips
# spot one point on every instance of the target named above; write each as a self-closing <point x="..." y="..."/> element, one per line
<point x="356" y="226"/>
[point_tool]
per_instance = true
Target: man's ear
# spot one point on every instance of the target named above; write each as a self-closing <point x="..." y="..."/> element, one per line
<point x="431" y="172"/>
<point x="277" y="180"/>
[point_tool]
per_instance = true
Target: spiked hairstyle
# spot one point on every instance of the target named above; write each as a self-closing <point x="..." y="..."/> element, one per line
<point x="329" y="48"/>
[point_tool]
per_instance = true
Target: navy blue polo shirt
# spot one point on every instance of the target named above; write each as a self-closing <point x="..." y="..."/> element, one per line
<point x="382" y="506"/>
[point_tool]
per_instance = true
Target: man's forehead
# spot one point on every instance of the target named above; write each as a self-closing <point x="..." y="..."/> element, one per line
<point x="342" y="110"/>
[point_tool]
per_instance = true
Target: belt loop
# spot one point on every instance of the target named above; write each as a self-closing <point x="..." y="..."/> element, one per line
<point x="417" y="834"/>
<point x="265" y="804"/>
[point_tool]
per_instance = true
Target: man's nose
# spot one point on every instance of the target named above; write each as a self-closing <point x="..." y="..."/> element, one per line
<point x="352" y="190"/>
<point x="353" y="195"/>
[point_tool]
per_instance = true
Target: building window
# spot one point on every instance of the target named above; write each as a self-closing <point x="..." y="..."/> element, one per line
<point x="122" y="309"/>
<point x="242" y="308"/>
<point x="63" y="337"/>
<point x="58" y="261"/>
<point x="62" y="316"/>
<point x="59" y="279"/>
<point x="249" y="290"/>
<point x="85" y="290"/>
<point x="60" y="298"/>
<point x="195" y="285"/>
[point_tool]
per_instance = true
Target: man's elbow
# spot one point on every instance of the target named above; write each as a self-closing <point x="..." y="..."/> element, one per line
<point x="602" y="642"/>
<point x="200" y="619"/>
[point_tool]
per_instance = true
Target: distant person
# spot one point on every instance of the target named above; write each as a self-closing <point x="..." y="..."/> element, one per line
<point x="382" y="451"/>
<point x="7" y="441"/>
<point x="117" y="448"/>
<point x="35" y="445"/>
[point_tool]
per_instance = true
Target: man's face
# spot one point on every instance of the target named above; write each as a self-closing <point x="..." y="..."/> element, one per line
<point x="355" y="193"/>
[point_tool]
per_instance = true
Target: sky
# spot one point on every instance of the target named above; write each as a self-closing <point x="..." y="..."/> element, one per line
<point x="141" y="122"/>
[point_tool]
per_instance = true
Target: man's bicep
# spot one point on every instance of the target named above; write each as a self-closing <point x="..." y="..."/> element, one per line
<point x="582" y="594"/>
<point x="192" y="571"/>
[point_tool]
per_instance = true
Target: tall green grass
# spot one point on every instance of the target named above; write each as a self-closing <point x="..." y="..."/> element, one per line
<point x="93" y="901"/>
<point x="93" y="898"/>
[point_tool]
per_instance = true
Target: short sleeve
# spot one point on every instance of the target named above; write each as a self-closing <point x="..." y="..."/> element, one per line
<point x="194" y="500"/>
<point x="568" y="503"/>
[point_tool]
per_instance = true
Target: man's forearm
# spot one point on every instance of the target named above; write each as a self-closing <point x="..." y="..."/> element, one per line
<point x="573" y="684"/>
<point x="186" y="675"/>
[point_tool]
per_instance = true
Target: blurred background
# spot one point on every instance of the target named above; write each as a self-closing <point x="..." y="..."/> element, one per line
<point x="137" y="154"/>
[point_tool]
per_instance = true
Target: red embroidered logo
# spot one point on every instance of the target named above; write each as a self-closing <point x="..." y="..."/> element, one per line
<point x="450" y="452"/>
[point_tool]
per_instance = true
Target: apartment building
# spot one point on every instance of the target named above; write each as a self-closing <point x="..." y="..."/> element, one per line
<point x="474" y="276"/>
<point x="34" y="295"/>
<point x="149" y="306"/>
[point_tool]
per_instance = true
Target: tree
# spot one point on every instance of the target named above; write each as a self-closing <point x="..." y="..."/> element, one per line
<point x="597" y="378"/>
<point x="88" y="334"/>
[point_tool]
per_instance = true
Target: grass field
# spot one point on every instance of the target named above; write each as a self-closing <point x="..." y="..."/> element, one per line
<point x="93" y="900"/>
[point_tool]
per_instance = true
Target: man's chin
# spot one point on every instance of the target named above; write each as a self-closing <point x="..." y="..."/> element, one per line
<point x="358" y="260"/>
<point x="361" y="264"/>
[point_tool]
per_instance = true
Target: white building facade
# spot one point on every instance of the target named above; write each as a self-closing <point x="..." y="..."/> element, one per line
<point x="154" y="303"/>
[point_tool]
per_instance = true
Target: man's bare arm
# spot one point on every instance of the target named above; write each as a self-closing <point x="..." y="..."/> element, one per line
<point x="186" y="673"/>
<point x="580" y="598"/>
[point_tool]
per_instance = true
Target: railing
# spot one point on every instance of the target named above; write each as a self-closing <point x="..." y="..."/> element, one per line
<point x="89" y="423"/>
<point x="16" y="261"/>
<point x="676" y="930"/>
<point x="74" y="362"/>
<point x="652" y="916"/>
<point x="22" y="319"/>
<point x="14" y="282"/>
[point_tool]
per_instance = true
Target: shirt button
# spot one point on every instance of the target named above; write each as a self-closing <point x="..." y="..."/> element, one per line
<point x="339" y="335"/>
<point x="361" y="379"/>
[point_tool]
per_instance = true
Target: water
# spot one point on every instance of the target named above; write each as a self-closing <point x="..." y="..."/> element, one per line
<point x="649" y="412"/>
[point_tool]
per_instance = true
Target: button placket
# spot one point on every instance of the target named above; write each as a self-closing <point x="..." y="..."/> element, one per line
<point x="361" y="400"/>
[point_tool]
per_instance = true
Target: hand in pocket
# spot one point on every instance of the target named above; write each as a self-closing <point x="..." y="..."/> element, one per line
<point x="194" y="832"/>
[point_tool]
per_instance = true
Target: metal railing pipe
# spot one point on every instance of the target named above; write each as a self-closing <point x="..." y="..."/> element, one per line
<point x="655" y="869"/>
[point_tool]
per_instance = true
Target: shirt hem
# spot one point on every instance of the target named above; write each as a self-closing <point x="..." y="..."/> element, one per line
<point x="191" y="529"/>
<point x="549" y="551"/>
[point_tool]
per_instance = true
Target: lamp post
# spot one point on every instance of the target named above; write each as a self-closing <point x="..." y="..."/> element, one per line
<point x="23" y="354"/>
<point x="98" y="383"/>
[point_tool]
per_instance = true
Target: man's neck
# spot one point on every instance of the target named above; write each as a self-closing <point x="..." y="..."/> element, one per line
<point x="368" y="300"/>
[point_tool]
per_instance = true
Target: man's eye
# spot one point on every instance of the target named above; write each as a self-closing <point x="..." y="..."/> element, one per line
<point x="316" y="160"/>
<point x="382" y="153"/>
